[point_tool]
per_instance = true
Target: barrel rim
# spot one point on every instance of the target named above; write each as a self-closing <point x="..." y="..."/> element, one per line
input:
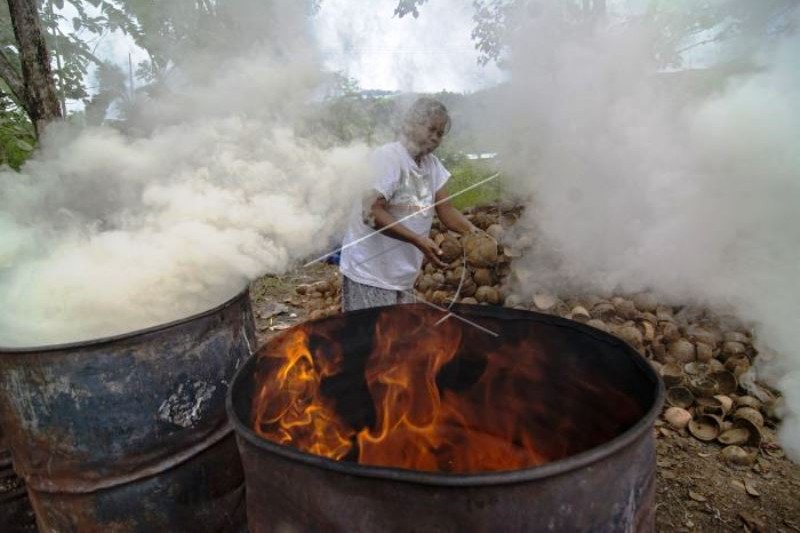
<point x="7" y="350"/>
<point x="536" y="473"/>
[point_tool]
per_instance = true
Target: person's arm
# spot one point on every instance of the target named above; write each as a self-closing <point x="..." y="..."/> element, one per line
<point x="451" y="217"/>
<point x="379" y="218"/>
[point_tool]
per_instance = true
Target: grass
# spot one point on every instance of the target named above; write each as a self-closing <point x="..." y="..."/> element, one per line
<point x="467" y="172"/>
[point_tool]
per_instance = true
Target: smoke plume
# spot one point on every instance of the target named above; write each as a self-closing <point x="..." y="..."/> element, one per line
<point x="640" y="178"/>
<point x="103" y="233"/>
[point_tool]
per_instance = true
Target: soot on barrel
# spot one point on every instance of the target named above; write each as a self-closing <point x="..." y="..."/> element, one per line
<point x="402" y="388"/>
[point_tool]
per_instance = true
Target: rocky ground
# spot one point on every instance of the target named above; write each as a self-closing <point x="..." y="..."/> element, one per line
<point x="719" y="468"/>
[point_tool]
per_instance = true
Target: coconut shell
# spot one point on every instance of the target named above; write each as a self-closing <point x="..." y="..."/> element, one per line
<point x="703" y="387"/>
<point x="671" y="332"/>
<point x="750" y="414"/>
<point x="481" y="250"/>
<point x="645" y="301"/>
<point x="469" y="287"/>
<point x="736" y="455"/>
<point x="736" y="336"/>
<point x="677" y="417"/>
<point x="705" y="428"/>
<point x="726" y="382"/>
<point x="704" y="352"/>
<point x="734" y="436"/>
<point x="438" y="279"/>
<point x="604" y="310"/>
<point x="598" y="324"/>
<point x="709" y="406"/>
<point x="748" y="401"/>
<point x="680" y="397"/>
<point x="671" y="374"/>
<point x="483" y="276"/>
<point x="579" y="313"/>
<point x="544" y="302"/>
<point x="452" y="277"/>
<point x="726" y="401"/>
<point x="451" y="249"/>
<point x="513" y="300"/>
<point x="731" y="348"/>
<point x="487" y="295"/>
<point x="625" y="308"/>
<point x="682" y="351"/>
<point x="425" y="283"/>
<point x="631" y="335"/>
<point x="496" y="231"/>
<point x="440" y="298"/>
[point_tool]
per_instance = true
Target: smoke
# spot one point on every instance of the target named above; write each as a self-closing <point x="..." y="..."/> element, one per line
<point x="103" y="233"/>
<point x="679" y="182"/>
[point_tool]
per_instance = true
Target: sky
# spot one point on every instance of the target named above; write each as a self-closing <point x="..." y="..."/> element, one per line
<point x="381" y="51"/>
<point x="431" y="53"/>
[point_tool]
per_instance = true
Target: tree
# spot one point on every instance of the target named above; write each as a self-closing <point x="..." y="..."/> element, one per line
<point x="36" y="89"/>
<point x="683" y="25"/>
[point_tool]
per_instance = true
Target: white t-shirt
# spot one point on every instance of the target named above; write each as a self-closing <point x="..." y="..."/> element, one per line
<point x="379" y="260"/>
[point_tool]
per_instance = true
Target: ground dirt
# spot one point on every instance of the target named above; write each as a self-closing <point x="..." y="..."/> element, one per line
<point x="696" y="490"/>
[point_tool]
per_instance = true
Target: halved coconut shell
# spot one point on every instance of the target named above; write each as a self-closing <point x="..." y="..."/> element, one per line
<point x="753" y="431"/>
<point x="677" y="417"/>
<point x="672" y="374"/>
<point x="709" y="406"/>
<point x="705" y="428"/>
<point x="680" y="397"/>
<point x="735" y="436"/>
<point x="726" y="382"/>
<point x="695" y="368"/>
<point x="727" y="403"/>
<point x="748" y="401"/>
<point x="748" y="413"/>
<point x="736" y="455"/>
<point x="703" y="387"/>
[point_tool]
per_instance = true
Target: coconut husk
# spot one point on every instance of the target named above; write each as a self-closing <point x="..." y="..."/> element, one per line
<point x="483" y="276"/>
<point x="488" y="295"/>
<point x="469" y="300"/>
<point x="451" y="249"/>
<point x="481" y="250"/>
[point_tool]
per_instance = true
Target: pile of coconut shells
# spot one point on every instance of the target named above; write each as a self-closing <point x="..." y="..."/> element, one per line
<point x="701" y="357"/>
<point x="478" y="264"/>
<point x="322" y="298"/>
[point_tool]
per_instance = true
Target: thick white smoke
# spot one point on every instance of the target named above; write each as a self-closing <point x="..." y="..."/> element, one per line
<point x="102" y="233"/>
<point x="641" y="179"/>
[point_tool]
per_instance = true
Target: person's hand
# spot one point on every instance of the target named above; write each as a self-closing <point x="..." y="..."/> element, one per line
<point x="431" y="251"/>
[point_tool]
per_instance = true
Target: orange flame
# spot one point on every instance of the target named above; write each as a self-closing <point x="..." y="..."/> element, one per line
<point x="289" y="408"/>
<point x="506" y="417"/>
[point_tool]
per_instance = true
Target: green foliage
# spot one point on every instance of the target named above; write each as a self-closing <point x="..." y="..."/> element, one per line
<point x="17" y="139"/>
<point x="466" y="172"/>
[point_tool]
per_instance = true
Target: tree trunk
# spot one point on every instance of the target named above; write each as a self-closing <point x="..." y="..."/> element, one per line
<point x="40" y="98"/>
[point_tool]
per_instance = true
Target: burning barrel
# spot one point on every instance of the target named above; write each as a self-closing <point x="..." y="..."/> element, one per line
<point x="406" y="418"/>
<point x="129" y="433"/>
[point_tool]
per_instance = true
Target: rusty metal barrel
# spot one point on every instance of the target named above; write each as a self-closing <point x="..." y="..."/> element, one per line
<point x="604" y="483"/>
<point x="129" y="433"/>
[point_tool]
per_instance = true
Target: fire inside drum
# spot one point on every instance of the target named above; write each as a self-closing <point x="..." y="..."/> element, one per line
<point x="388" y="422"/>
<point x="395" y="389"/>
